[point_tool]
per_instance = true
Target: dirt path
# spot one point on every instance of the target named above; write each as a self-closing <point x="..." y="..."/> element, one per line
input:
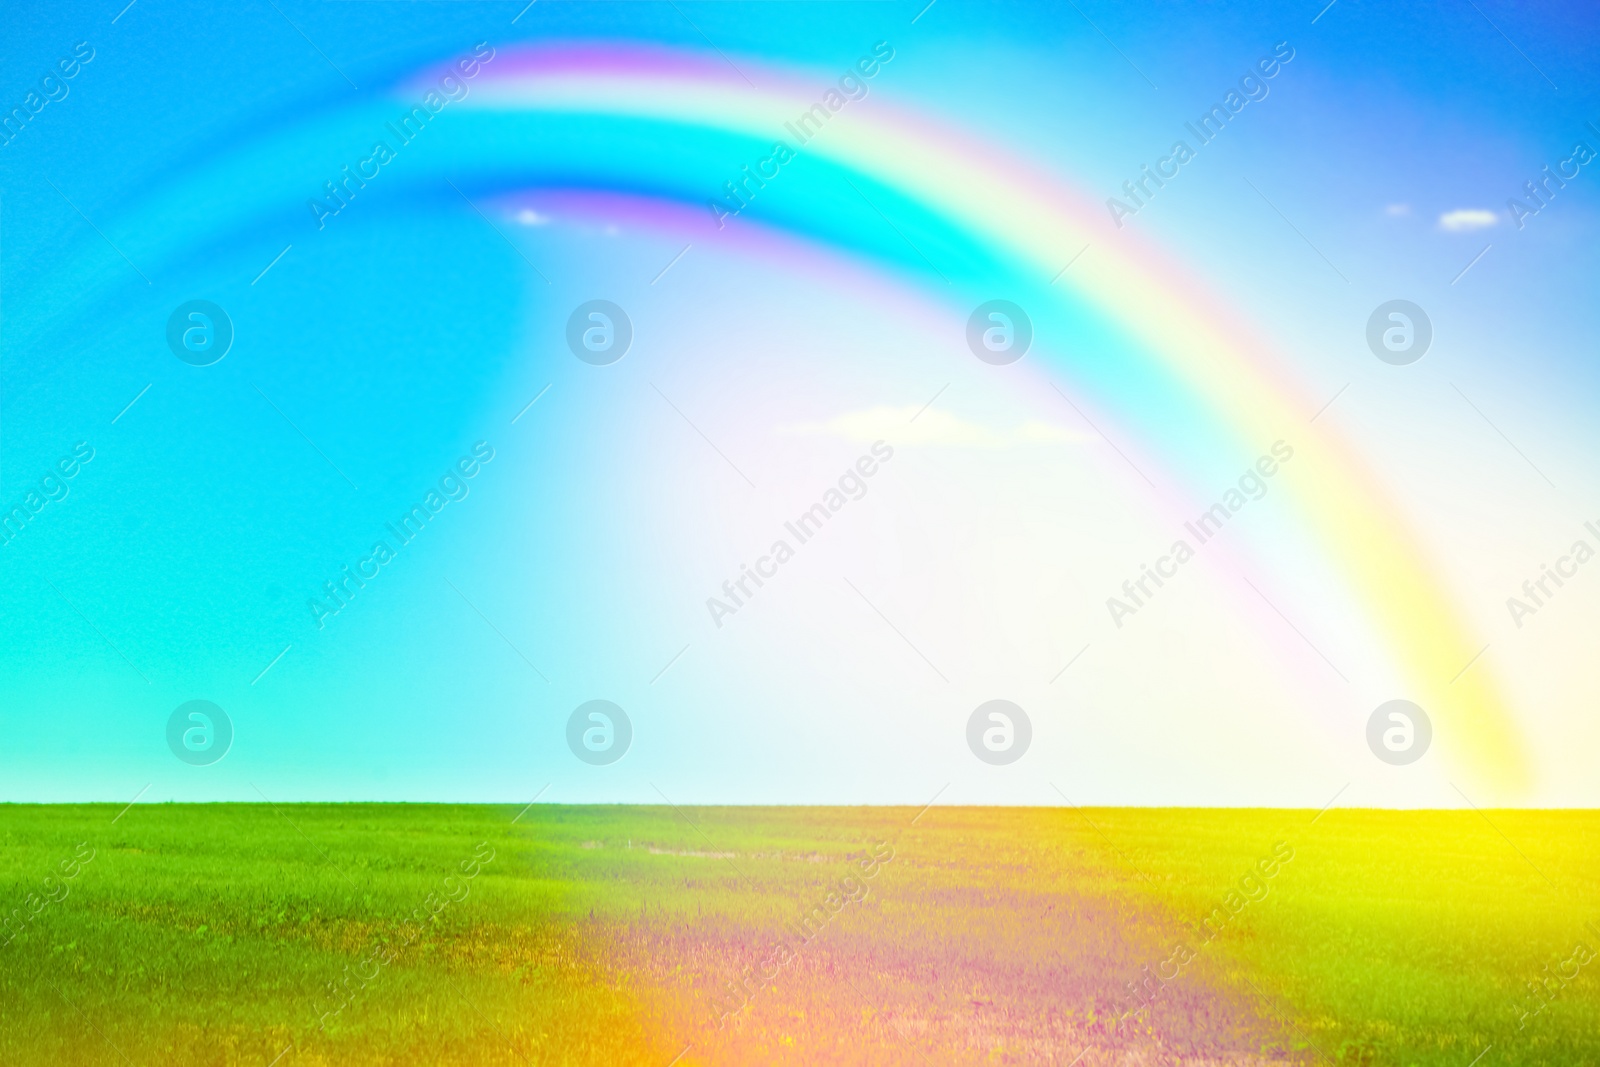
<point x="983" y="940"/>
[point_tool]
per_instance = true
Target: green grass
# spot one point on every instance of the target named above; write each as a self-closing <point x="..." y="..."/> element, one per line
<point x="209" y="934"/>
<point x="1399" y="937"/>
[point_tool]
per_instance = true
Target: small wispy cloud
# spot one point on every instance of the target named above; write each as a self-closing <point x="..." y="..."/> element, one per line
<point x="1465" y="219"/>
<point x="1397" y="210"/>
<point x="935" y="427"/>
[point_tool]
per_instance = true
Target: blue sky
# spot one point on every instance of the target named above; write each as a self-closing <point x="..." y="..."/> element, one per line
<point x="382" y="348"/>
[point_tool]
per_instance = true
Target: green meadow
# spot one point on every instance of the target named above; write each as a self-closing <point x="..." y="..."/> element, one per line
<point x="441" y="934"/>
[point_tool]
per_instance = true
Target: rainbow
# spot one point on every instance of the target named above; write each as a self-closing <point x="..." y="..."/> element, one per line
<point x="1229" y="380"/>
<point x="670" y="127"/>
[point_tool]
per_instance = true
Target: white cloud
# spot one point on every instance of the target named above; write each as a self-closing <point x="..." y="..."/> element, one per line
<point x="936" y="427"/>
<point x="1398" y="209"/>
<point x="1467" y="218"/>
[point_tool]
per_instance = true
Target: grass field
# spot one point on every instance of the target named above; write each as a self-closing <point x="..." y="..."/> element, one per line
<point x="388" y="934"/>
